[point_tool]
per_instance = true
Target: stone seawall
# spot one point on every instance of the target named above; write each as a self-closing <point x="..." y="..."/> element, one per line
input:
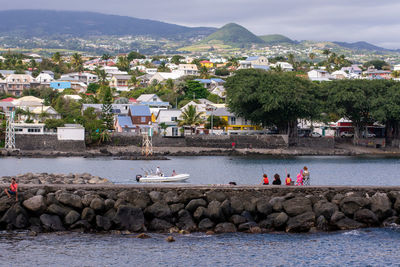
<point x="219" y="209"/>
<point x="47" y="142"/>
<point x="223" y="141"/>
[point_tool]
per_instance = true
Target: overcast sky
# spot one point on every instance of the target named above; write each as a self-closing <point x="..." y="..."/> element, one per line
<point x="333" y="20"/>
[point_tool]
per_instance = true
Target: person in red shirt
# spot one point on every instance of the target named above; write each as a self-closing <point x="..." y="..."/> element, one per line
<point x="265" y="180"/>
<point x="13" y="190"/>
<point x="288" y="180"/>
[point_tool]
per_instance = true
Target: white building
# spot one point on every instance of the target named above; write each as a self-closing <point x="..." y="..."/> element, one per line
<point x="254" y="62"/>
<point x="170" y="118"/>
<point x="73" y="132"/>
<point x="188" y="69"/>
<point x="319" y="75"/>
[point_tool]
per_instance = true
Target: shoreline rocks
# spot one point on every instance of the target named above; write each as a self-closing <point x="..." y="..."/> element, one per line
<point x="52" y="178"/>
<point x="198" y="209"/>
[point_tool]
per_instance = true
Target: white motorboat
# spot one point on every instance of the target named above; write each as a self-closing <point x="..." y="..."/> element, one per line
<point x="153" y="178"/>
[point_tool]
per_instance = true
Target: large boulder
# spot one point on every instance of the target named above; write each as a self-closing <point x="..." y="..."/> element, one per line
<point x="200" y="213"/>
<point x="185" y="221"/>
<point x="366" y="216"/>
<point x="237" y="219"/>
<point x="206" y="224"/>
<point x="51" y="222"/>
<point x="301" y="223"/>
<point x="71" y="200"/>
<point x="72" y="217"/>
<point x="109" y="204"/>
<point x="225" y="227"/>
<point x="215" y="195"/>
<point x="381" y="205"/>
<point x="277" y="203"/>
<point x="175" y="208"/>
<point x="138" y="199"/>
<point x="88" y="214"/>
<point x="325" y="208"/>
<point x="103" y="222"/>
<point x="97" y="204"/>
<point x="58" y="209"/>
<point x="237" y="205"/>
<point x="36" y="204"/>
<point x="264" y="207"/>
<point x="215" y="212"/>
<point x="171" y="197"/>
<point x="275" y="220"/>
<point x="350" y="204"/>
<point x="159" y="225"/>
<point x="189" y="194"/>
<point x="226" y="208"/>
<point x="16" y="216"/>
<point x="158" y="210"/>
<point x="195" y="203"/>
<point x="348" y="224"/>
<point x="87" y="199"/>
<point x="297" y="206"/>
<point x="247" y="226"/>
<point x="129" y="218"/>
<point x="155" y="196"/>
<point x="337" y="216"/>
<point x="5" y="203"/>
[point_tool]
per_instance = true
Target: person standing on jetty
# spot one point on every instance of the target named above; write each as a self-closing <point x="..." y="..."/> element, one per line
<point x="265" y="180"/>
<point x="13" y="190"/>
<point x="300" y="178"/>
<point x="306" y="176"/>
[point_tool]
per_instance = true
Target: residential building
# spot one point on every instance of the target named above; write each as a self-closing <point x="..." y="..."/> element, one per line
<point x="206" y="63"/>
<point x="163" y="76"/>
<point x="44" y="112"/>
<point x="116" y="109"/>
<point x="44" y="78"/>
<point x="377" y="74"/>
<point x="209" y="83"/>
<point x="140" y="114"/>
<point x="170" y="118"/>
<point x="123" y="124"/>
<point x="84" y="77"/>
<point x="259" y="62"/>
<point x="120" y="82"/>
<point x="340" y="75"/>
<point x="188" y="69"/>
<point x="234" y="123"/>
<point x="319" y="75"/>
<point x="16" y="83"/>
<point x="219" y="91"/>
<point x="285" y="66"/>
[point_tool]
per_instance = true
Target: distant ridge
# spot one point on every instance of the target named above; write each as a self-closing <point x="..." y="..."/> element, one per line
<point x="361" y="46"/>
<point x="39" y="23"/>
<point x="234" y="35"/>
<point x="276" y="39"/>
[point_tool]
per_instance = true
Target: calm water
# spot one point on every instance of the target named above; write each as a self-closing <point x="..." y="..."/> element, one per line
<point x="222" y="169"/>
<point x="367" y="247"/>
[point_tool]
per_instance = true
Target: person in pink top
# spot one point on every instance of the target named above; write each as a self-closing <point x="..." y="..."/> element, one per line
<point x="300" y="178"/>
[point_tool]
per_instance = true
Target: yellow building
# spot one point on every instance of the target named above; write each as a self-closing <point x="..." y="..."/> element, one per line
<point x="207" y="64"/>
<point x="234" y="122"/>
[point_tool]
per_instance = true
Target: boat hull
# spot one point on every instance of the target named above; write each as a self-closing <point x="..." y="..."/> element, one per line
<point x="164" y="179"/>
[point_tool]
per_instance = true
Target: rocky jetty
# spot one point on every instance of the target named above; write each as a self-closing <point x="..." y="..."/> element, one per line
<point x="52" y="178"/>
<point x="172" y="209"/>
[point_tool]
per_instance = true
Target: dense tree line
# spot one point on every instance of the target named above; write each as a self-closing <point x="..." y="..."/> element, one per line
<point x="281" y="99"/>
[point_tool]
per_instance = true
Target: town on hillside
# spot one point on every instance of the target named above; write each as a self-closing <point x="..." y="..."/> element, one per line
<point x="93" y="97"/>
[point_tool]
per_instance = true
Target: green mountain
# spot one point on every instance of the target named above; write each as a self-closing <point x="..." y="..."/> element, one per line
<point x="234" y="35"/>
<point x="49" y="23"/>
<point x="276" y="39"/>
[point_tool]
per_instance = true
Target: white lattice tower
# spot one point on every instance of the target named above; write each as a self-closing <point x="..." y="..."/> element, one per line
<point x="10" y="132"/>
<point x="147" y="145"/>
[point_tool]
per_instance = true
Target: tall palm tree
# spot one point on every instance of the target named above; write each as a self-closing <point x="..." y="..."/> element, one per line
<point x="102" y="75"/>
<point x="77" y="62"/>
<point x="326" y="52"/>
<point x="133" y="82"/>
<point x="190" y="117"/>
<point x="123" y="63"/>
<point x="204" y="73"/>
<point x="56" y="57"/>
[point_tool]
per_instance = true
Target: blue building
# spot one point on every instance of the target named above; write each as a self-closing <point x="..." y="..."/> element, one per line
<point x="60" y="85"/>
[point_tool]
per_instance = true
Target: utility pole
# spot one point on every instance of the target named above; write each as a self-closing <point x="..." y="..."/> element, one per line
<point x="9" y="143"/>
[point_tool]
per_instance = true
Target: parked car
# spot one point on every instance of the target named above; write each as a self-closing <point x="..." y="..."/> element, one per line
<point x="368" y="135"/>
<point x="346" y="134"/>
<point x="316" y="135"/>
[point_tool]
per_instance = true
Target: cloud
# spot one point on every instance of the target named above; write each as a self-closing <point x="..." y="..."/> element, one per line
<point x="340" y="20"/>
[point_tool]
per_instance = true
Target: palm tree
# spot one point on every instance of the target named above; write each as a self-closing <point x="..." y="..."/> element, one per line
<point x="291" y="59"/>
<point x="133" y="82"/>
<point x="56" y="57"/>
<point x="102" y="75"/>
<point x="123" y="63"/>
<point x="104" y="136"/>
<point x="190" y="117"/>
<point x="326" y="52"/>
<point x="311" y="56"/>
<point x="77" y="62"/>
<point x="164" y="127"/>
<point x="204" y="73"/>
<point x="106" y="57"/>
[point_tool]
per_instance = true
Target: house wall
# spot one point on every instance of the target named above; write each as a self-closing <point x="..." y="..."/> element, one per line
<point x="67" y="133"/>
<point x="138" y="119"/>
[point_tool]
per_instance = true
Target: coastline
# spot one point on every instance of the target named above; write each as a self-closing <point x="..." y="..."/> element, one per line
<point x="162" y="153"/>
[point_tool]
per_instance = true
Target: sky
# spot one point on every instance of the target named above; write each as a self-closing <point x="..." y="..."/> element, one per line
<point x="376" y="22"/>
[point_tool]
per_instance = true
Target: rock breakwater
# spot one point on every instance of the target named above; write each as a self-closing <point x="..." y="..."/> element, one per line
<point x="53" y="178"/>
<point x="211" y="209"/>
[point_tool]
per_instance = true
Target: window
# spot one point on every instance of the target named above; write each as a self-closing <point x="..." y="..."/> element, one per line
<point x="233" y="120"/>
<point x="17" y="129"/>
<point x="174" y="118"/>
<point x="33" y="130"/>
<point x="154" y="99"/>
<point x="143" y="119"/>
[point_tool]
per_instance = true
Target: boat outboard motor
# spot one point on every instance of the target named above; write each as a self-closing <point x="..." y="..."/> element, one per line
<point x="138" y="176"/>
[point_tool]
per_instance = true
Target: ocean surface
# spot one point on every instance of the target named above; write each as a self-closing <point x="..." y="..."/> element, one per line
<point x="365" y="247"/>
<point x="335" y="170"/>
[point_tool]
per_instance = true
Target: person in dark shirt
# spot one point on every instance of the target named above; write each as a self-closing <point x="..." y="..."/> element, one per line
<point x="277" y="180"/>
